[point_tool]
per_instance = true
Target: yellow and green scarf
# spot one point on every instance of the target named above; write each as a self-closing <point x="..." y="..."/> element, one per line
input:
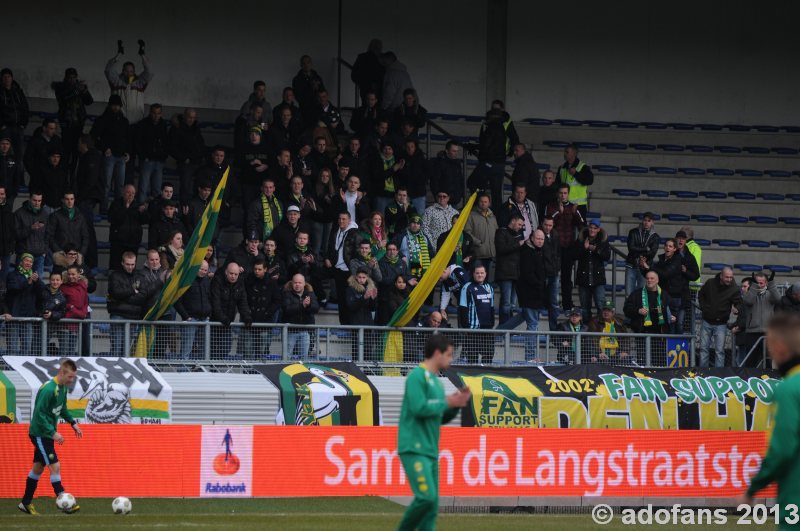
<point x="609" y="344"/>
<point x="647" y="320"/>
<point x="269" y="223"/>
<point x="419" y="259"/>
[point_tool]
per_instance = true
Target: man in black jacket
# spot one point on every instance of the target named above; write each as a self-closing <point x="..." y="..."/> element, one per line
<point x="31" y="222"/>
<point x="246" y="254"/>
<point x="368" y="70"/>
<point x="112" y="136"/>
<point x="126" y="300"/>
<point x="73" y="96"/>
<point x="8" y="235"/>
<point x="187" y="147"/>
<point x="508" y="242"/>
<point x="286" y="232"/>
<point x="643" y="242"/>
<point x="551" y="251"/>
<point x="36" y="152"/>
<point x="152" y="147"/>
<point x="531" y="287"/>
<point x="447" y="172"/>
<point x="526" y="172"/>
<point x="14" y="111"/>
<point x="264" y="300"/>
<point x="496" y="138"/>
<point x="717" y="298"/>
<point x="668" y="268"/>
<point x="54" y="178"/>
<point x="11" y="173"/>
<point x="306" y="84"/>
<point x="195" y="305"/>
<point x="168" y="222"/>
<point x="299" y="304"/>
<point x="89" y="192"/>
<point x="193" y="212"/>
<point x="67" y="224"/>
<point x="126" y="217"/>
<point x="228" y="295"/>
<point x="342" y="247"/>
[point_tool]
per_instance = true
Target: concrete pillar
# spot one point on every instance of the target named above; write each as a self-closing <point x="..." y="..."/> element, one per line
<point x="496" y="41"/>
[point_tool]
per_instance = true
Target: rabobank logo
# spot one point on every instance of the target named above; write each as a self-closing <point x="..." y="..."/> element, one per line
<point x="226" y="467"/>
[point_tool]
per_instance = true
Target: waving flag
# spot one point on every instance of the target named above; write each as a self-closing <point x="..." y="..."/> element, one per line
<point x="185" y="269"/>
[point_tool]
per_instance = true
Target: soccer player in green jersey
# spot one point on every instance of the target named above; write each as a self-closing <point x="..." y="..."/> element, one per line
<point x="425" y="408"/>
<point x="782" y="462"/>
<point x="51" y="403"/>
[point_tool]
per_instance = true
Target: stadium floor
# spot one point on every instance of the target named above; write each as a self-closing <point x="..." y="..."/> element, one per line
<point x="351" y="514"/>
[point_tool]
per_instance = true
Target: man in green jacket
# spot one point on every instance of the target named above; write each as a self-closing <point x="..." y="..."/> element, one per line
<point x="424" y="409"/>
<point x="51" y="403"/>
<point x="782" y="462"/>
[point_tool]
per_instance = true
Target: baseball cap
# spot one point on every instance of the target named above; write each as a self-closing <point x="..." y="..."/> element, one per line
<point x="608" y="305"/>
<point x="293" y="208"/>
<point x="575" y="310"/>
<point x="595" y="222"/>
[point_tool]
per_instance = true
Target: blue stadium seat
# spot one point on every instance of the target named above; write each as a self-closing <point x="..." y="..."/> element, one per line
<point x="722" y="242"/>
<point x="594" y="215"/>
<point x="681" y="126"/>
<point x="791" y="128"/>
<point x="606" y="168"/>
<point x="626" y="192"/>
<point x="643" y="147"/>
<point x="766" y="128"/>
<point x="764" y="220"/>
<point x="785" y="244"/>
<point x="710" y="127"/>
<point x="755" y="243"/>
<point x="671" y="147"/>
<point x="699" y="149"/>
<point x="720" y="172"/>
<point x="620" y="239"/>
<point x="640" y="215"/>
<point x="613" y="145"/>
<point x="538" y="121"/>
<point x="587" y="145"/>
<point x="709" y="194"/>
<point x="716" y="266"/>
<point x="663" y="170"/>
<point x="734" y="219"/>
<point x="778" y="173"/>
<point x="103" y="245"/>
<point x="750" y="173"/>
<point x="793" y="197"/>
<point x="778" y="268"/>
<point x="756" y="150"/>
<point x="620" y="263"/>
<point x="737" y="127"/>
<point x="626" y="125"/>
<point x="796" y="268"/>
<point x="677" y="217"/>
<point x="796" y="172"/>
<point x="766" y="196"/>
<point x="692" y="171"/>
<point x="684" y="194"/>
<point x="790" y="220"/>
<point x="784" y="151"/>
<point x="568" y="122"/>
<point x="654" y="125"/>
<point x="97" y="299"/>
<point x="702" y="243"/>
<point x="656" y="193"/>
<point x="634" y="169"/>
<point x="597" y="123"/>
<point x="728" y="149"/>
<point x="555" y="143"/>
<point x="748" y="267"/>
<point x="705" y="218"/>
<point x="99" y="217"/>
<point x="745" y="196"/>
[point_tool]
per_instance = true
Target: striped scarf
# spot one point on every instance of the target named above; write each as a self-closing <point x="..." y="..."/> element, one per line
<point x="459" y="250"/>
<point x="609" y="344"/>
<point x="418" y="259"/>
<point x="645" y="304"/>
<point x="269" y="223"/>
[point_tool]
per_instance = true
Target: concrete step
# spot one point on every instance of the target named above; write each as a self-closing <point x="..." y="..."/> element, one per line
<point x="710" y="231"/>
<point x="606" y="182"/>
<point x="613" y="205"/>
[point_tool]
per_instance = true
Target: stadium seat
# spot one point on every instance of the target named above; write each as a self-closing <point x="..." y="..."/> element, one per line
<point x="720" y="172"/>
<point x="785" y="244"/>
<point x="710" y="127"/>
<point x="734" y="219"/>
<point x="626" y="125"/>
<point x="620" y="263"/>
<point x="748" y="267"/>
<point x="587" y="145"/>
<point x="764" y="220"/>
<point x="568" y="122"/>
<point x="796" y="268"/>
<point x="640" y="215"/>
<point x="771" y="197"/>
<point x="750" y="173"/>
<point x="796" y="172"/>
<point x="626" y="192"/>
<point x="791" y="128"/>
<point x="778" y="268"/>
<point x="677" y="217"/>
<point x="744" y="196"/>
<point x="756" y="150"/>
<point x="104" y="245"/>
<point x="790" y="220"/>
<point x="778" y="173"/>
<point x="699" y="149"/>
<point x="643" y="147"/>
<point x="708" y="194"/>
<point x="784" y="151"/>
<point x="555" y="143"/>
<point x="620" y="239"/>
<point x="538" y="121"/>
<point x="671" y="147"/>
<point x="656" y="193"/>
<point x="681" y="126"/>
<point x="705" y="218"/>
<point x="766" y="128"/>
<point x="605" y="168"/>
<point x="663" y="170"/>
<point x="684" y="194"/>
<point x="654" y="125"/>
<point x="702" y="243"/>
<point x="722" y="242"/>
<point x="716" y="266"/>
<point x="755" y="243"/>
<point x="613" y="145"/>
<point x="793" y="197"/>
<point x="597" y="123"/>
<point x="634" y="169"/>
<point x="737" y="127"/>
<point x="542" y="166"/>
<point x="728" y="149"/>
<point x="594" y="215"/>
<point x="692" y="171"/>
<point x="97" y="299"/>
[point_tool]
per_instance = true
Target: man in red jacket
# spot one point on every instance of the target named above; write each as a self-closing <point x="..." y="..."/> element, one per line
<point x="567" y="221"/>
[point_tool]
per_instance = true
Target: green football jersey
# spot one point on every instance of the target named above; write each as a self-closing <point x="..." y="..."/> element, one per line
<point x="424" y="411"/>
<point x="51" y="403"/>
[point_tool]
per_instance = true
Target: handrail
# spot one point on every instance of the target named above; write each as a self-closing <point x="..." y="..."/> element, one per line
<point x="345" y="63"/>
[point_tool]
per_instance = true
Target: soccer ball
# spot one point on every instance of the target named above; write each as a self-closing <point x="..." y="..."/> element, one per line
<point x="121" y="505"/>
<point x="65" y="501"/>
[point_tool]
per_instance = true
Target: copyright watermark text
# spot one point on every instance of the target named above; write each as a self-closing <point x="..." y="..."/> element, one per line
<point x="677" y="514"/>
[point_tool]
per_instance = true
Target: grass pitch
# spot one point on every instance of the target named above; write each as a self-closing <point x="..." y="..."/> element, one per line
<point x="349" y="514"/>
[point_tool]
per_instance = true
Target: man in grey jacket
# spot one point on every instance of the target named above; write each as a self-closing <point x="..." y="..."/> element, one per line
<point x="31" y="228"/>
<point x="760" y="301"/>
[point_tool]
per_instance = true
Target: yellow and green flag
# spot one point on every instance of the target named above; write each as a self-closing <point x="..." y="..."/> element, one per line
<point x="393" y="341"/>
<point x="8" y="400"/>
<point x="185" y="269"/>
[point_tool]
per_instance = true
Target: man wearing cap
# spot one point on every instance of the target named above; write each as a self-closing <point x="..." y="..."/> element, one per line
<point x="126" y="217"/>
<point x="167" y="223"/>
<point x="717" y="298"/>
<point x="265" y="212"/>
<point x="436" y="219"/>
<point x="567" y="221"/>
<point x="152" y="148"/>
<point x="111" y="136"/>
<point x="286" y="232"/>
<point x="642" y="243"/>
<point x="73" y="96"/>
<point x="341" y="249"/>
<point x="609" y="348"/>
<point x="246" y="253"/>
<point x="568" y="344"/>
<point x="43" y="141"/>
<point x="416" y="248"/>
<point x="187" y="147"/>
<point x="578" y="176"/>
<point x="593" y="253"/>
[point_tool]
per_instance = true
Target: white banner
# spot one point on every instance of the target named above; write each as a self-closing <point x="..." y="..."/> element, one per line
<point x="106" y="391"/>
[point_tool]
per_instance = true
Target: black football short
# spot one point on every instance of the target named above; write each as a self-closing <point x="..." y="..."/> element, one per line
<point x="44" y="450"/>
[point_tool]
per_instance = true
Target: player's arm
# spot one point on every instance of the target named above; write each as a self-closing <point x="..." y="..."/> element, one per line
<point x="783" y="445"/>
<point x="72" y="422"/>
<point x="420" y="405"/>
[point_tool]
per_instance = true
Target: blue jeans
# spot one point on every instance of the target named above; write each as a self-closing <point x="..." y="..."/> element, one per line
<point x="633" y="280"/>
<point x="38" y="265"/>
<point x="551" y="286"/>
<point x="508" y="299"/>
<point x="257" y="341"/>
<point x="319" y="237"/>
<point x="380" y="206"/>
<point x="586" y="294"/>
<point x="300" y="339"/>
<point x="188" y="335"/>
<point x="719" y="332"/>
<point x="676" y="308"/>
<point x="20" y="338"/>
<point x="152" y="173"/>
<point x="113" y="178"/>
<point x="118" y="337"/>
<point x="419" y="206"/>
<point x="532" y="322"/>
